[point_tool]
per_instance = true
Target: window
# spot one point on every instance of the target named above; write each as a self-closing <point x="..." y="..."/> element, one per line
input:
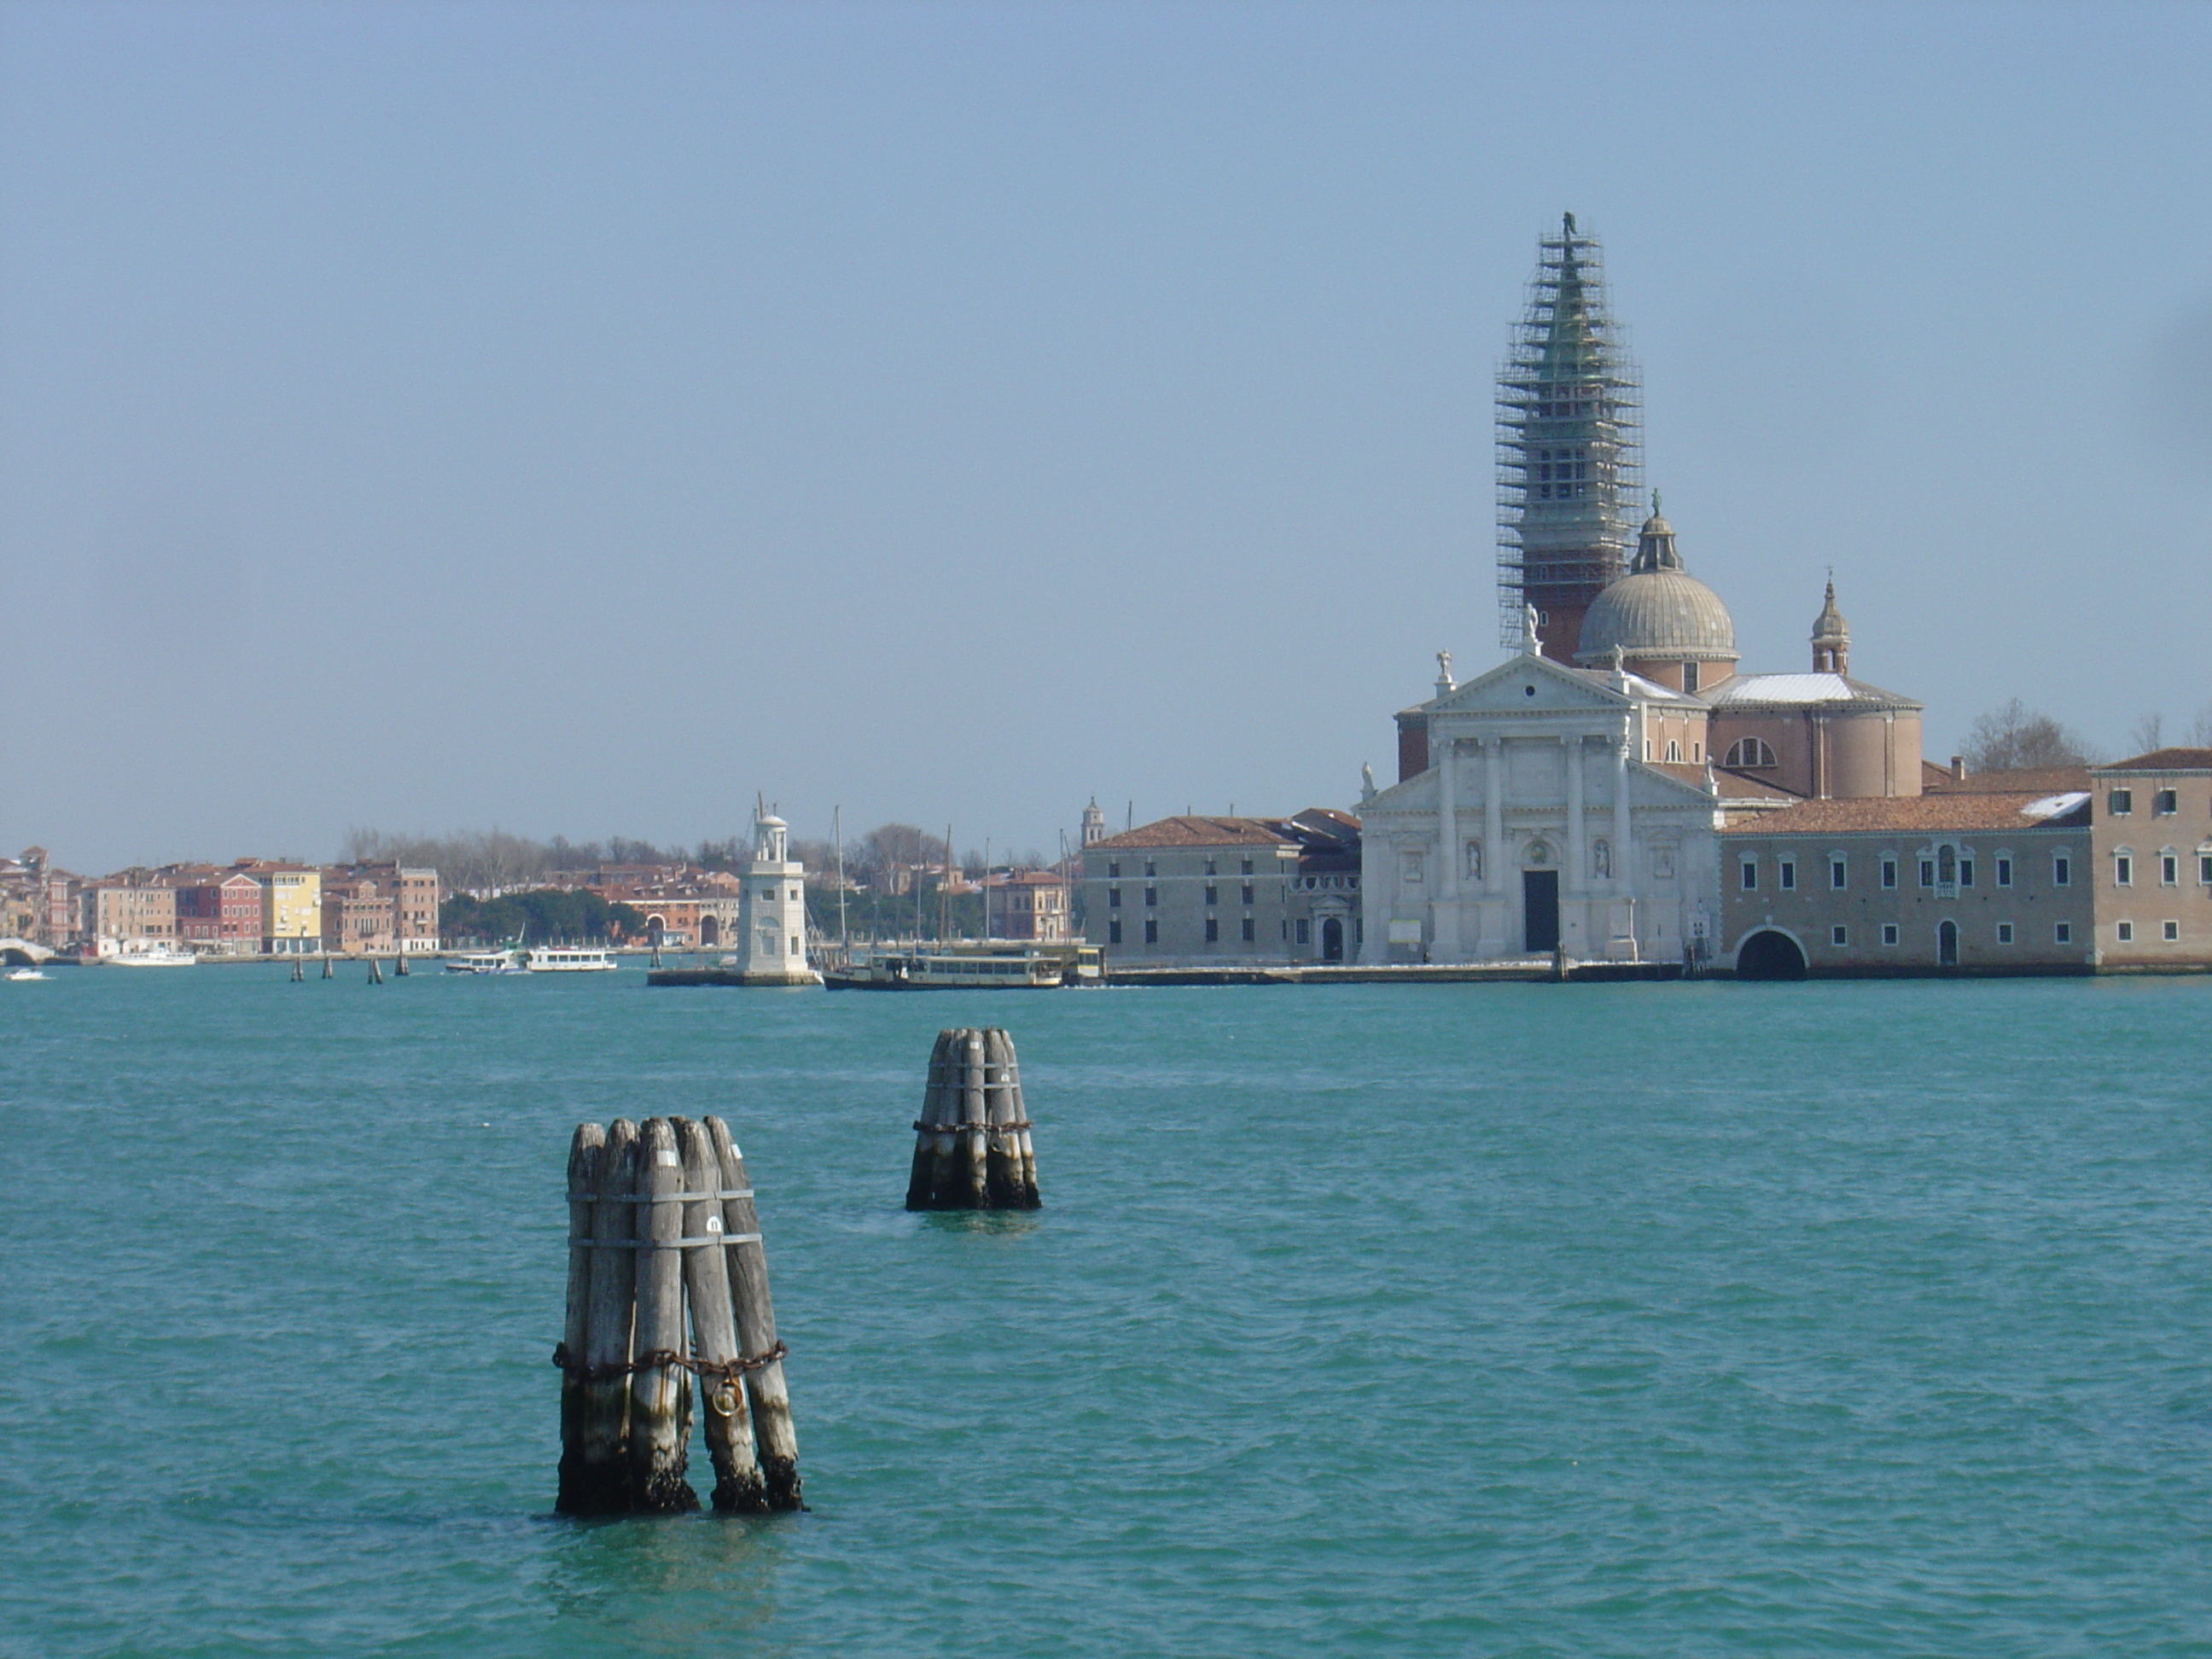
<point x="1838" y="874"/>
<point x="1689" y="677"/>
<point x="1151" y="869"/>
<point x="2165" y="803"/>
<point x="1112" y="898"/>
<point x="1839" y="934"/>
<point x="2170" y="931"/>
<point x="2124" y="870"/>
<point x="1673" y="751"/>
<point x="2124" y="932"/>
<point x="1889" y="932"/>
<point x="2004" y="873"/>
<point x="2061" y="932"/>
<point x="2204" y="868"/>
<point x="1209" y="866"/>
<point x="2062" y="871"/>
<point x="1247" y="930"/>
<point x="1748" y="751"/>
<point x="1305" y="930"/>
<point x="1212" y="894"/>
<point x="1966" y="873"/>
<point x="1889" y="872"/>
<point x="1750" y="876"/>
<point x="2169" y="870"/>
<point x="2120" y="802"/>
<point x="1212" y="930"/>
<point x="1248" y="892"/>
<point x="1788" y="878"/>
<point x="1248" y="867"/>
<point x="1927" y="872"/>
<point x="2004" y="932"/>
<point x="1151" y="896"/>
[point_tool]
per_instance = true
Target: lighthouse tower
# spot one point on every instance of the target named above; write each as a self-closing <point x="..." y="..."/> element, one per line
<point x="772" y="909"/>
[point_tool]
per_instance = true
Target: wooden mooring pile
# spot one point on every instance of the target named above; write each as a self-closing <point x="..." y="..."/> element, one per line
<point x="667" y="1280"/>
<point x="971" y="1147"/>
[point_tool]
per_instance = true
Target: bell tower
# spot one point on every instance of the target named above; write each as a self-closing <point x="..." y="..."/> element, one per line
<point x="1831" y="639"/>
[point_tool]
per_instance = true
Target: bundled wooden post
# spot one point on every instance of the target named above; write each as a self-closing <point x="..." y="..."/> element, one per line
<point x="328" y="971"/>
<point x="603" y="1474"/>
<point x="739" y="1488"/>
<point x="972" y="1149"/>
<point x="756" y="1320"/>
<point x="660" y="1386"/>
<point x="583" y="1150"/>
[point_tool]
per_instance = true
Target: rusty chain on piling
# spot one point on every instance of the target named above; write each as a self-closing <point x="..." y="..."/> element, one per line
<point x="729" y="1371"/>
<point x="972" y="1129"/>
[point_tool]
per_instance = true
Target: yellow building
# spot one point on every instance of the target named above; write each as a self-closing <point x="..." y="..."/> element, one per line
<point x="291" y="909"/>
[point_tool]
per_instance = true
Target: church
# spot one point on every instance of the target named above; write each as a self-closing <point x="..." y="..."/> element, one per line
<point x="1571" y="797"/>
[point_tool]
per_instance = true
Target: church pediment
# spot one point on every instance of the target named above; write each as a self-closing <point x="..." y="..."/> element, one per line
<point x="1525" y="685"/>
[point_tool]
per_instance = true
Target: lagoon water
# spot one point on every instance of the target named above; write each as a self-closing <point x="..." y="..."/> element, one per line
<point x="1443" y="1320"/>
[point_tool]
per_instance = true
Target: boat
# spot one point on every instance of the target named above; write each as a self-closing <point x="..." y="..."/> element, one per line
<point x="486" y="962"/>
<point x="566" y="959"/>
<point x="985" y="966"/>
<point x="157" y="956"/>
<point x="24" y="973"/>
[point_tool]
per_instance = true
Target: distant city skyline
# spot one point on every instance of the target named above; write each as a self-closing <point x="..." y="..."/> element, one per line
<point x="576" y="422"/>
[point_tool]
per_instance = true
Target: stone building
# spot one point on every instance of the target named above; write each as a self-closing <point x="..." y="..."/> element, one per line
<point x="770" y="941"/>
<point x="357" y="915"/>
<point x="1227" y="891"/>
<point x="2152" y="832"/>
<point x="1026" y="904"/>
<point x="1997" y="883"/>
<point x="130" y="912"/>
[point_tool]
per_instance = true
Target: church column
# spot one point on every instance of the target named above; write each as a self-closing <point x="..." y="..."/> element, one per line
<point x="1577" y="854"/>
<point x="1493" y="815"/>
<point x="1447" y="816"/>
<point x="1624" y="863"/>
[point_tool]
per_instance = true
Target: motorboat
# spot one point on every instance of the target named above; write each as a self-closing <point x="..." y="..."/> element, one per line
<point x="153" y="956"/>
<point x="487" y="962"/>
<point x="564" y="959"/>
<point x="24" y="973"/>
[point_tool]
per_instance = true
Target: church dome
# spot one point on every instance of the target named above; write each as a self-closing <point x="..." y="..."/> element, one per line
<point x="1658" y="609"/>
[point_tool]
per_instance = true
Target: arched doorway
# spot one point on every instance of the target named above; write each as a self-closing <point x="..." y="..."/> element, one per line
<point x="654" y="928"/>
<point x="1946" y="942"/>
<point x="710" y="930"/>
<point x="1332" y="939"/>
<point x="1770" y="955"/>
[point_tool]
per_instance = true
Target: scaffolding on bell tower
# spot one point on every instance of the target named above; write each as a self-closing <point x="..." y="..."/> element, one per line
<point x="1570" y="447"/>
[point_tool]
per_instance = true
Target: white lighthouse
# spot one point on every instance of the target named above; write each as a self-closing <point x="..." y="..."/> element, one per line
<point x="772" y="909"/>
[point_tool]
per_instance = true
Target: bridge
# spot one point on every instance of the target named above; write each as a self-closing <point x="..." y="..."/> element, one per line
<point x="21" y="953"/>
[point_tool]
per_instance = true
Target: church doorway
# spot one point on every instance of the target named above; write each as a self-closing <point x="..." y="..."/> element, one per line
<point x="1770" y="955"/>
<point x="1946" y="943"/>
<point x="1331" y="940"/>
<point x="1539" y="910"/>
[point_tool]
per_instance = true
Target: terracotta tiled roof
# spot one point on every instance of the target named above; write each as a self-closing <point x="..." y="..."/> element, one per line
<point x="1729" y="786"/>
<point x="1203" y="832"/>
<point x="2164" y="760"/>
<point x="2043" y="780"/>
<point x="1959" y="812"/>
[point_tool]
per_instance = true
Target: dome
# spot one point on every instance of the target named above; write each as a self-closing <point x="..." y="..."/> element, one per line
<point x="1657" y="610"/>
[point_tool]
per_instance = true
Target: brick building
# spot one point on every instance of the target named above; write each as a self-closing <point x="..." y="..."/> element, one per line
<point x="2152" y="831"/>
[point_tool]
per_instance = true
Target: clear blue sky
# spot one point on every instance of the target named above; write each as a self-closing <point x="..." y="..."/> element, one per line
<point x="578" y="417"/>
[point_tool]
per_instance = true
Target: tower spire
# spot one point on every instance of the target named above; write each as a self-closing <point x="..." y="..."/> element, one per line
<point x="1569" y="448"/>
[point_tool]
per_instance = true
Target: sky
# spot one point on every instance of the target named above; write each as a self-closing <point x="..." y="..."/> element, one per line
<point x="581" y="419"/>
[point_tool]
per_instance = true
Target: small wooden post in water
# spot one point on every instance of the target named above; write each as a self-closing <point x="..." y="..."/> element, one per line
<point x="972" y="1149"/>
<point x="660" y="1387"/>
<point x="328" y="971"/>
<point x="583" y="1150"/>
<point x="756" y="1320"/>
<point x="739" y="1488"/>
<point x="375" y="973"/>
<point x="603" y="1476"/>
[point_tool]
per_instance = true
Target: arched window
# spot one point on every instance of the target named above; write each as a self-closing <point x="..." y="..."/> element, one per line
<point x="1749" y="752"/>
<point x="1674" y="750"/>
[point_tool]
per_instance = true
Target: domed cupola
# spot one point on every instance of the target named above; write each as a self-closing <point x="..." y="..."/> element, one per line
<point x="1665" y="624"/>
<point x="1831" y="639"/>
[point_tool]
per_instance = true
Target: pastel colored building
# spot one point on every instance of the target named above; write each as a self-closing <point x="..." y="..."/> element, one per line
<point x="1233" y="891"/>
<point x="291" y="907"/>
<point x="1026" y="904"/>
<point x="219" y="911"/>
<point x="2152" y="827"/>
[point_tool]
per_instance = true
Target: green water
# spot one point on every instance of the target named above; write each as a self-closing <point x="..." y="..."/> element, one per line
<point x="1439" y="1320"/>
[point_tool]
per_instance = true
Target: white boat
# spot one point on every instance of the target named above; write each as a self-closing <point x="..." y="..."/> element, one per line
<point x="997" y="966"/>
<point x="486" y="962"/>
<point x="561" y="959"/>
<point x="24" y="973"/>
<point x="155" y="956"/>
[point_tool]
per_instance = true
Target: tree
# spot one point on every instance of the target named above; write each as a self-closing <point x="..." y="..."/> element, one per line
<point x="2012" y="737"/>
<point x="2199" y="729"/>
<point x="2147" y="733"/>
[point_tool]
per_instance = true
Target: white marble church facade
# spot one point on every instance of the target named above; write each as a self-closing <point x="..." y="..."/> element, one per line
<point x="1537" y="822"/>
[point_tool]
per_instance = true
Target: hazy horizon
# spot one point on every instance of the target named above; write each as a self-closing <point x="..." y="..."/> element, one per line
<point x="577" y="419"/>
